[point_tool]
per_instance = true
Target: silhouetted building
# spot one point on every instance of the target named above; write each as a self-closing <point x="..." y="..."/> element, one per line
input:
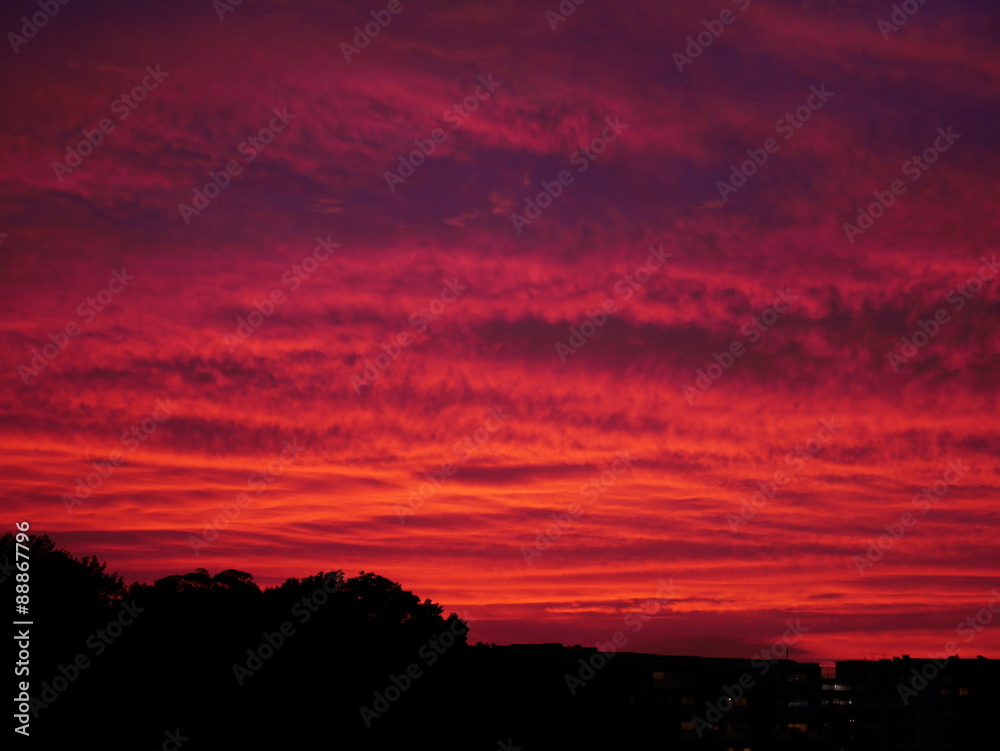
<point x="900" y="704"/>
<point x="702" y="702"/>
<point x="920" y="704"/>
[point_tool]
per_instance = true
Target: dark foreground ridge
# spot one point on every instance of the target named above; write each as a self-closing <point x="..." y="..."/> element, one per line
<point x="197" y="661"/>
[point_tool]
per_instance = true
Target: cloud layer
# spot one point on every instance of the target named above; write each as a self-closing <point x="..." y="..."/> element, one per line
<point x="687" y="294"/>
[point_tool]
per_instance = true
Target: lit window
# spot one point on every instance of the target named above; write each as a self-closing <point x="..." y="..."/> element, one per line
<point x="687" y="700"/>
<point x="963" y="692"/>
<point x="659" y="675"/>
<point x="798" y="726"/>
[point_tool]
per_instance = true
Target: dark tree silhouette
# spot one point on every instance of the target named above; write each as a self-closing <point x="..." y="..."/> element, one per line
<point x="329" y="661"/>
<point x="215" y="655"/>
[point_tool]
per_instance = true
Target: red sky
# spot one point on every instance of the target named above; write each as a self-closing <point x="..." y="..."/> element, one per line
<point x="497" y="301"/>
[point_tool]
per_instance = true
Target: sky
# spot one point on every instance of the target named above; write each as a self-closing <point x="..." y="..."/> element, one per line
<point x="677" y="319"/>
